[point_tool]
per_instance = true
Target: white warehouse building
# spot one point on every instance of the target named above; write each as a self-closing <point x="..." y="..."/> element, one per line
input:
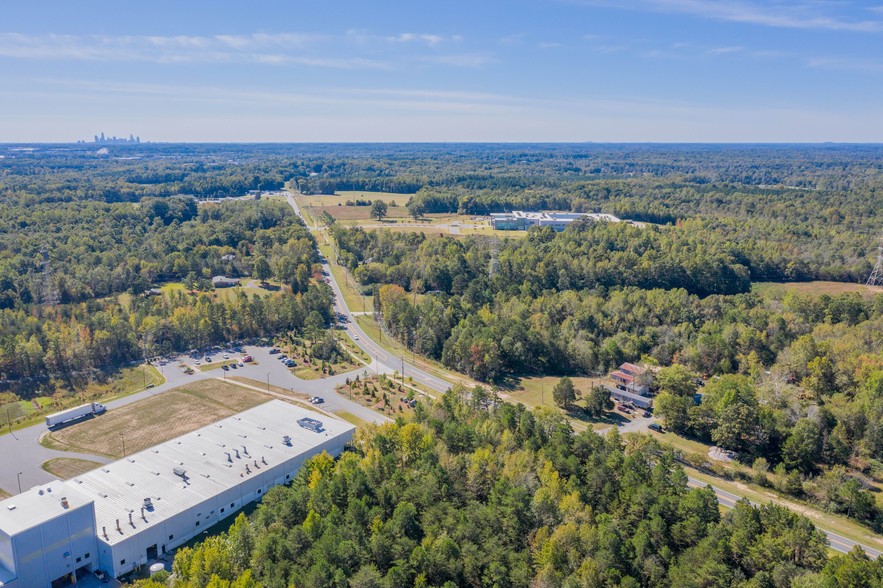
<point x="125" y="514"/>
<point x="519" y="220"/>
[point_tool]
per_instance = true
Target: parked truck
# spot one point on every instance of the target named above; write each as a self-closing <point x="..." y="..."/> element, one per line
<point x="73" y="414"/>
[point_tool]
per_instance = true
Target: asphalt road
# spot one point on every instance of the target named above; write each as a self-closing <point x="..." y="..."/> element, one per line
<point x="382" y="360"/>
<point x="837" y="542"/>
<point x="22" y="452"/>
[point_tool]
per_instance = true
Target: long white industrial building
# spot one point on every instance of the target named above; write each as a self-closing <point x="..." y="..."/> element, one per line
<point x="125" y="514"/>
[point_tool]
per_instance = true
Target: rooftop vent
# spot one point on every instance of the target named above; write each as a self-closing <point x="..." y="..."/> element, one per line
<point x="11" y="507"/>
<point x="64" y="503"/>
<point x="286" y="440"/>
<point x="148" y="503"/>
<point x="179" y="471"/>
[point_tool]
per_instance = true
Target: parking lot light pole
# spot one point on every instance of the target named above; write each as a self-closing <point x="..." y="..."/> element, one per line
<point x="268" y="381"/>
<point x="19" y="482"/>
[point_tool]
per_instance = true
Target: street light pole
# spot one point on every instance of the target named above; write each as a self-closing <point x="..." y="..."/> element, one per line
<point x="19" y="482"/>
<point x="268" y="381"/>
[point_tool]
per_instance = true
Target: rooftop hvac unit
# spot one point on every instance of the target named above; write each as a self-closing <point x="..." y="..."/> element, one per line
<point x="179" y="471"/>
<point x="310" y="424"/>
<point x="148" y="504"/>
<point x="286" y="440"/>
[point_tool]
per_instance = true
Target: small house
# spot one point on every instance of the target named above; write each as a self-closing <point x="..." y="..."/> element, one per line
<point x="224" y="282"/>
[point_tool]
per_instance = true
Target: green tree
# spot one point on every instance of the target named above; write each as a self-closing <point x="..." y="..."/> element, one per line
<point x="564" y="393"/>
<point x="803" y="447"/>
<point x="674" y="410"/>
<point x="262" y="269"/>
<point x="677" y="380"/>
<point x="598" y="401"/>
<point x="378" y="209"/>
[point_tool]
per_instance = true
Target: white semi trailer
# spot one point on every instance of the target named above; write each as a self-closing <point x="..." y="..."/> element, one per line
<point x="72" y="414"/>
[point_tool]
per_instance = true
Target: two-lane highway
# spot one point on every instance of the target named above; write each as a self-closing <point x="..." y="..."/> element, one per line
<point x="382" y="360"/>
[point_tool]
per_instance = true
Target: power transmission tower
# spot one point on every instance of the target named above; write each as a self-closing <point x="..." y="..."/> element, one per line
<point x="876" y="278"/>
<point x="50" y="296"/>
<point x="493" y="266"/>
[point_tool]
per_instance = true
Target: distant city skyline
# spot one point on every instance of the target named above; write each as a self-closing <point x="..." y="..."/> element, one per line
<point x="513" y="70"/>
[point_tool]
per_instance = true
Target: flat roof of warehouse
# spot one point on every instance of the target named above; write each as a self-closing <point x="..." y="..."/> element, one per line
<point x="183" y="472"/>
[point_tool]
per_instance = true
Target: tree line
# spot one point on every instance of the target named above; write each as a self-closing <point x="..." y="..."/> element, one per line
<point x="464" y="496"/>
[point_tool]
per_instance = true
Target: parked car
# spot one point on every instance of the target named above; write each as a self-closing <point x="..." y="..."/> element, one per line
<point x="274" y="351"/>
<point x="101" y="576"/>
<point x="656" y="427"/>
<point x="316" y="400"/>
<point x="247" y="358"/>
<point x="208" y="359"/>
<point x="225" y="367"/>
<point x="226" y="356"/>
<point x="647" y="414"/>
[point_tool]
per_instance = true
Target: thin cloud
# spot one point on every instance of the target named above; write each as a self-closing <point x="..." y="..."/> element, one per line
<point x="846" y="64"/>
<point x="789" y="14"/>
<point x="725" y="50"/>
<point x="325" y="51"/>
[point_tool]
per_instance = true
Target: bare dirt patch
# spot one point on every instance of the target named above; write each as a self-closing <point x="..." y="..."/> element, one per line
<point x="157" y="419"/>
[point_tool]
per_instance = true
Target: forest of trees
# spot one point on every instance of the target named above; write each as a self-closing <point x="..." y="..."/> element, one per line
<point x="95" y="251"/>
<point x="467" y="497"/>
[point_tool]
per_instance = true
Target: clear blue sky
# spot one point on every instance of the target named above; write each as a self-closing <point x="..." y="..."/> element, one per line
<point x="443" y="70"/>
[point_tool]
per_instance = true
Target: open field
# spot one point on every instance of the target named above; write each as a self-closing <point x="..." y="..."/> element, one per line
<point x="68" y="467"/>
<point x="3" y="494"/>
<point x="342" y="196"/>
<point x="816" y="288"/>
<point x="154" y="420"/>
<point x="537" y="391"/>
<point x="346" y="213"/>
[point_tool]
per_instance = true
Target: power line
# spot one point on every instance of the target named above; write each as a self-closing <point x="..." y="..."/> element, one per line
<point x="876" y="278"/>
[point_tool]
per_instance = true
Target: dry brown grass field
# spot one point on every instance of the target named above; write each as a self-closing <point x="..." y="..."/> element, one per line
<point x="157" y="419"/>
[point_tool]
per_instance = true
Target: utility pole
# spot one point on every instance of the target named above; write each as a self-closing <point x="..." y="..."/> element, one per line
<point x="876" y="278"/>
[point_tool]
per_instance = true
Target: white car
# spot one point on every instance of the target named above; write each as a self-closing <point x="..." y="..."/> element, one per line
<point x="356" y="337"/>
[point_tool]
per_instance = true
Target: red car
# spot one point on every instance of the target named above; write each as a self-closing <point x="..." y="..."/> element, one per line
<point x="247" y="358"/>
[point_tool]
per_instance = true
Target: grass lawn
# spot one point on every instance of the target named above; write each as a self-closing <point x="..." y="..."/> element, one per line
<point x="68" y="467"/>
<point x="4" y="495"/>
<point x="537" y="391"/>
<point x="815" y="288"/>
<point x="361" y="213"/>
<point x="352" y="419"/>
<point x="143" y="424"/>
<point x="204" y="367"/>
<point x="306" y="373"/>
